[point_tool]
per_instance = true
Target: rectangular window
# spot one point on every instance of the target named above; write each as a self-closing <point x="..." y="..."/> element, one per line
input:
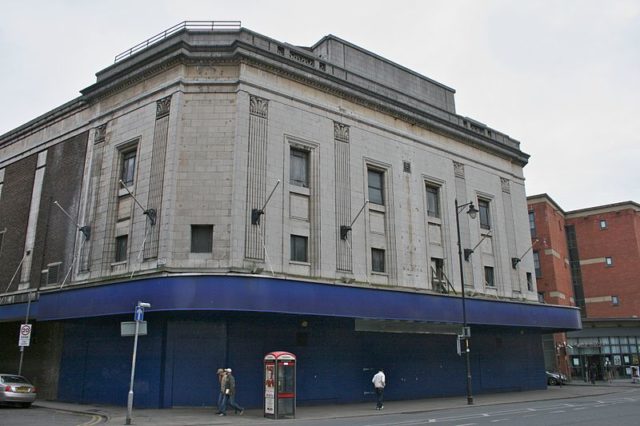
<point x="377" y="260"/>
<point x="541" y="297"/>
<point x="615" y="301"/>
<point x="299" y="167"/>
<point x="376" y="186"/>
<point x="201" y="238"/>
<point x="608" y="261"/>
<point x="299" y="248"/>
<point x="489" y="279"/>
<point x="485" y="218"/>
<point x="532" y="223"/>
<point x="433" y="201"/>
<point x="603" y="224"/>
<point x="127" y="173"/>
<point x="437" y="274"/>
<point x="121" y="248"/>
<point x="529" y="282"/>
<point x="536" y="264"/>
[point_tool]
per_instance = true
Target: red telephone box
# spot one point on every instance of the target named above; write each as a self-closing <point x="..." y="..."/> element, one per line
<point x="280" y="385"/>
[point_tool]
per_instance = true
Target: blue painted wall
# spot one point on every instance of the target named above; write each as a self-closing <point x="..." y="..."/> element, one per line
<point x="178" y="359"/>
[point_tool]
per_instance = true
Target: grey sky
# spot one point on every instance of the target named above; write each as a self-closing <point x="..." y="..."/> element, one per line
<point x="562" y="77"/>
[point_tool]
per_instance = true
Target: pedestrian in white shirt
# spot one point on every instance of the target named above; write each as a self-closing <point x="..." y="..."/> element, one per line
<point x="379" y="384"/>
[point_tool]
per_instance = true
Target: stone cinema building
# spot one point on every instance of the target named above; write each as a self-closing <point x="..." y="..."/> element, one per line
<point x="263" y="196"/>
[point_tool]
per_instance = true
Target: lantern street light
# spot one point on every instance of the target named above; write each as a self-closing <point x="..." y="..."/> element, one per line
<point x="466" y="330"/>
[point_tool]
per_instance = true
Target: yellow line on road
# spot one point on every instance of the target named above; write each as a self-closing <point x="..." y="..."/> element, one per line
<point x="94" y="421"/>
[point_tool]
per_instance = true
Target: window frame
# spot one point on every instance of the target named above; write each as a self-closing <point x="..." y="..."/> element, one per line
<point x="489" y="272"/>
<point x="529" y="281"/>
<point x="379" y="196"/>
<point x="378" y="257"/>
<point x="603" y="224"/>
<point x="608" y="261"/>
<point x="484" y="213"/>
<point x="294" y="241"/>
<point x="536" y="263"/>
<point x="206" y="244"/>
<point x="433" y="194"/>
<point x="532" y="224"/>
<point x="303" y="156"/>
<point x="120" y="254"/>
<point x="128" y="170"/>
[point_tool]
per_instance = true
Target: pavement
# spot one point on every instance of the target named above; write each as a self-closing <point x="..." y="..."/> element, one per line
<point x="203" y="416"/>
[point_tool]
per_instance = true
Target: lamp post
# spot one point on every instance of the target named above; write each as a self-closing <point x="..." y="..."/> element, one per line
<point x="466" y="332"/>
<point x="138" y="316"/>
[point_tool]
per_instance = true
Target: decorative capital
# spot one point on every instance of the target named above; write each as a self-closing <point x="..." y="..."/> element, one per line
<point x="341" y="132"/>
<point x="258" y="106"/>
<point x="458" y="169"/>
<point x="505" y="185"/>
<point x="162" y="107"/>
<point x="100" y="134"/>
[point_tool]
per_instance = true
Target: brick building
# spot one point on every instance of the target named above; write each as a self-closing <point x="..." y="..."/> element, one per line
<point x="262" y="196"/>
<point x="589" y="258"/>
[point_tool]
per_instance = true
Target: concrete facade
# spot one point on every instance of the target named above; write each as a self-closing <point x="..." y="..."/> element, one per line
<point x="206" y="125"/>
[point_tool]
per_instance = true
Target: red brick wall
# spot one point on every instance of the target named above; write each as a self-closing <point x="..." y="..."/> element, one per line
<point x="620" y="241"/>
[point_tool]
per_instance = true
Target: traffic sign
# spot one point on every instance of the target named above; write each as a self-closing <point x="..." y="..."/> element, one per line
<point x="24" y="337"/>
<point x="139" y="314"/>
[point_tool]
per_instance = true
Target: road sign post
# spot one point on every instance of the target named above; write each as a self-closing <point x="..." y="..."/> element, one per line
<point x="138" y="316"/>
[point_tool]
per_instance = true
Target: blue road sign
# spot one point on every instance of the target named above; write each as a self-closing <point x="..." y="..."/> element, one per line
<point x="139" y="314"/>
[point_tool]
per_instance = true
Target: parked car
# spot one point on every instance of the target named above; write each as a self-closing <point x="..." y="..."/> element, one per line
<point x="554" y="378"/>
<point x="16" y="389"/>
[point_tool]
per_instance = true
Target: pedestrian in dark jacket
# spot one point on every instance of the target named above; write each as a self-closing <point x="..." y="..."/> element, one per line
<point x="220" y="373"/>
<point x="229" y="384"/>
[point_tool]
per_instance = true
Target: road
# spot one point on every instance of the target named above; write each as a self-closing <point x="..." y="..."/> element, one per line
<point x="36" y="416"/>
<point x="620" y="409"/>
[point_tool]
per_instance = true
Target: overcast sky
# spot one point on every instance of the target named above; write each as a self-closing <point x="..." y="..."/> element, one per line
<point x="562" y="77"/>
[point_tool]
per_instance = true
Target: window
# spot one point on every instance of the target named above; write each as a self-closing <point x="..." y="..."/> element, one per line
<point x="377" y="260"/>
<point x="532" y="223"/>
<point x="608" y="261"/>
<point x="128" y="171"/>
<point x="121" y="248"/>
<point x="299" y="167"/>
<point x="299" y="248"/>
<point x="437" y="274"/>
<point x="376" y="186"/>
<point x="489" y="279"/>
<point x="603" y="224"/>
<point x="615" y="300"/>
<point x="485" y="218"/>
<point x="433" y="201"/>
<point x="541" y="297"/>
<point x="201" y="238"/>
<point x="536" y="264"/>
<point x="529" y="282"/>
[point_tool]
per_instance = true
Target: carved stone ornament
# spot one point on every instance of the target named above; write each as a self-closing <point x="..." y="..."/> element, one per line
<point x="341" y="132"/>
<point x="458" y="169"/>
<point x="258" y="106"/>
<point x="505" y="185"/>
<point x="163" y="106"/>
<point x="100" y="134"/>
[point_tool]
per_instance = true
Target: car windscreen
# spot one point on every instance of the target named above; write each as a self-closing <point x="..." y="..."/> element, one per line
<point x="14" y="379"/>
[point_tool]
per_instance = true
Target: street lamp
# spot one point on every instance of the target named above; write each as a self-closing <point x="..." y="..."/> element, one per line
<point x="466" y="331"/>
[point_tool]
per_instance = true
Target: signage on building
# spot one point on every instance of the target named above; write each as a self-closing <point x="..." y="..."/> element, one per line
<point x="24" y="339"/>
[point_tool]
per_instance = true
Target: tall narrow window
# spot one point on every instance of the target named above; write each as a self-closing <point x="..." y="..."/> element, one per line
<point x="529" y="282"/>
<point x="485" y="218"/>
<point x="128" y="171"/>
<point x="201" y="238"/>
<point x="608" y="261"/>
<point x="376" y="186"/>
<point x="299" y="167"/>
<point x="536" y="264"/>
<point x="603" y="224"/>
<point x="299" y="248"/>
<point x="532" y="223"/>
<point x="437" y="274"/>
<point x="615" y="300"/>
<point x="489" y="278"/>
<point x="433" y="201"/>
<point x="377" y="260"/>
<point x="121" y="248"/>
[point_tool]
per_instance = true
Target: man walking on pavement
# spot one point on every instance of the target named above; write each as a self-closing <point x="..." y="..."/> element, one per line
<point x="229" y="383"/>
<point x="221" y="376"/>
<point x="379" y="384"/>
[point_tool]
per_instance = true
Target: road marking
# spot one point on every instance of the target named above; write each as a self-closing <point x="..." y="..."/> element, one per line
<point x="94" y="421"/>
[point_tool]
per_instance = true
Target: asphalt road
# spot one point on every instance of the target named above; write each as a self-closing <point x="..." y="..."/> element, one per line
<point x="36" y="416"/>
<point x="620" y="409"/>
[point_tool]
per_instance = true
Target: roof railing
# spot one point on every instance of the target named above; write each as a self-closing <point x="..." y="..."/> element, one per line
<point x="185" y="25"/>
